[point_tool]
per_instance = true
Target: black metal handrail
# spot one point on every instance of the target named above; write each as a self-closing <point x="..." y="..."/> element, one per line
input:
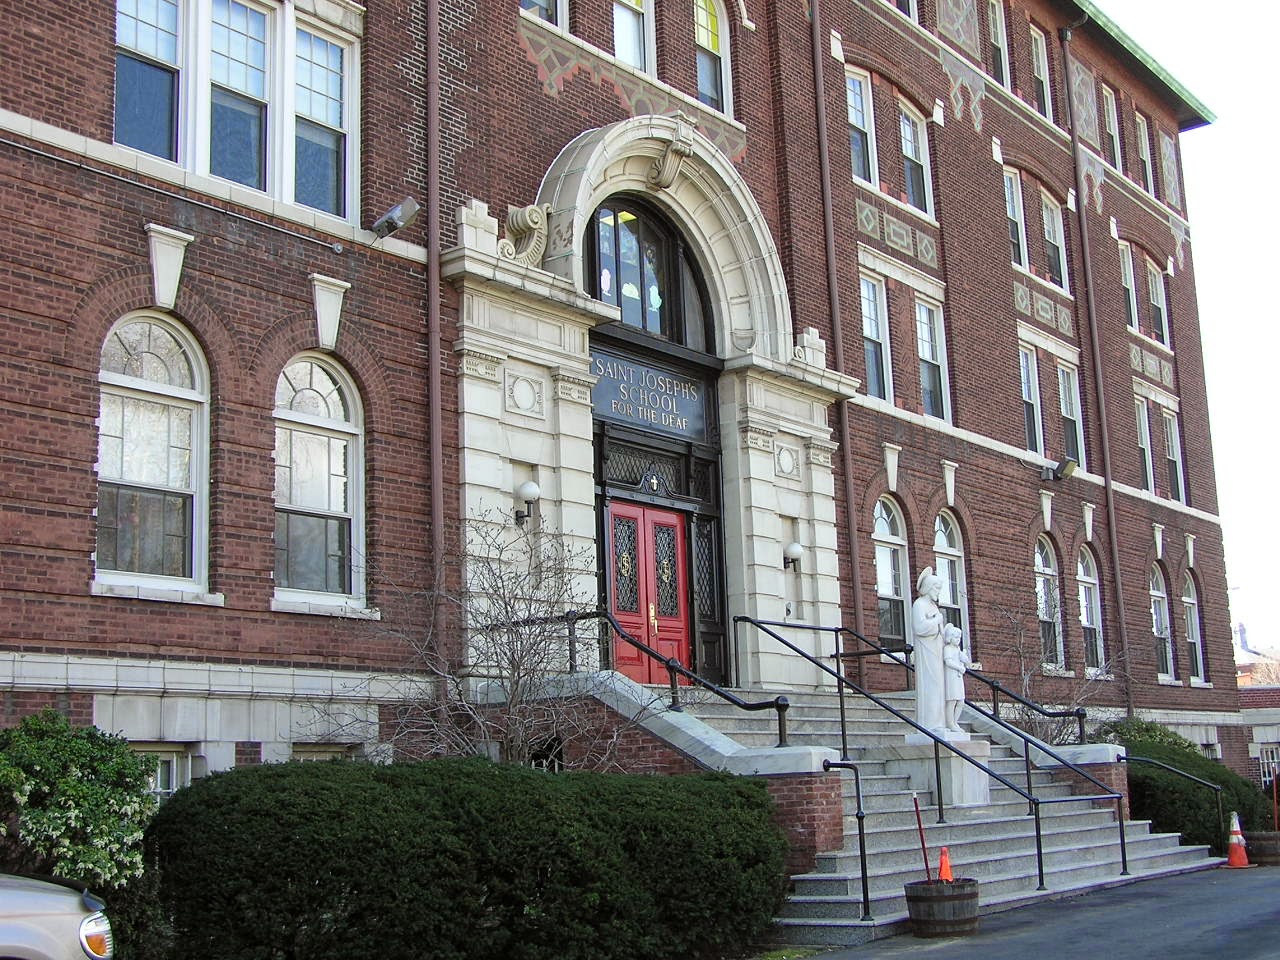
<point x="862" y="828"/>
<point x="1215" y="787"/>
<point x="1033" y="801"/>
<point x="997" y="688"/>
<point x="675" y="669"/>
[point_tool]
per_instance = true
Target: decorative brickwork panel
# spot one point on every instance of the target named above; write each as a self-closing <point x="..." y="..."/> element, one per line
<point x="1084" y="101"/>
<point x="958" y="22"/>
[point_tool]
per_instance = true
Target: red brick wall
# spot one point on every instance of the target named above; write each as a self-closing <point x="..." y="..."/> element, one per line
<point x="1115" y="776"/>
<point x="810" y="810"/>
<point x="16" y="705"/>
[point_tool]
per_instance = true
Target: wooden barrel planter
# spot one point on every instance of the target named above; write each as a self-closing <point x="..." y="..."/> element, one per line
<point x="1263" y="847"/>
<point x="940" y="908"/>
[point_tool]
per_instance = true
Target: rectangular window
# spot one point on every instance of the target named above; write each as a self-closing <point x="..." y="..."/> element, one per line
<point x="905" y="7"/>
<point x="1069" y="407"/>
<point x="171" y="768"/>
<point x="1040" y="74"/>
<point x="313" y="520"/>
<point x="629" y="33"/>
<point x="1130" y="288"/>
<point x="1173" y="457"/>
<point x="1030" y="376"/>
<point x="543" y="9"/>
<point x="1144" y="443"/>
<point x="145" y="492"/>
<point x="1163" y="636"/>
<point x="1090" y="604"/>
<point x="1014" y="214"/>
<point x="270" y="104"/>
<point x="710" y="63"/>
<point x="146" y="108"/>
<point x="915" y="161"/>
<point x="1145" y="170"/>
<point x="998" y="42"/>
<point x="320" y="151"/>
<point x="1054" y="247"/>
<point x="1155" y="296"/>
<point x="1111" y="129"/>
<point x="862" y="145"/>
<point x="238" y="133"/>
<point x="933" y="361"/>
<point x="875" y="340"/>
<point x="1269" y="761"/>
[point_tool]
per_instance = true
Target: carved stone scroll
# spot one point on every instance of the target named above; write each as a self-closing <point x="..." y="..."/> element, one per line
<point x="526" y="238"/>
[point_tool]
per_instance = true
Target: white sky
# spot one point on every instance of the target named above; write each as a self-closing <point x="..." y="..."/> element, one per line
<point x="1234" y="209"/>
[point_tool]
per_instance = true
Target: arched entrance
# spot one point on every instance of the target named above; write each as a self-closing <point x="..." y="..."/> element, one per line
<point x="657" y="443"/>
<point x="672" y="418"/>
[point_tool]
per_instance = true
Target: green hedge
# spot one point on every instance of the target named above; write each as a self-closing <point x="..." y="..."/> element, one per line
<point x="465" y="859"/>
<point x="1177" y="805"/>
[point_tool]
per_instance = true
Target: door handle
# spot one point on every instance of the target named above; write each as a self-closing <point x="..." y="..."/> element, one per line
<point x="653" y="620"/>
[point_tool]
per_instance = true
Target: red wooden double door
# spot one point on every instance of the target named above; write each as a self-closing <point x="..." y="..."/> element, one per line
<point x="648" y="581"/>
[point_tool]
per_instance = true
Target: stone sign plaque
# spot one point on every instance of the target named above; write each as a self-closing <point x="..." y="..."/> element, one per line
<point x="648" y="397"/>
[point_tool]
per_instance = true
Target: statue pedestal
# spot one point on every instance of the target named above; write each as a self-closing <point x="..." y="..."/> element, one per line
<point x="962" y="782"/>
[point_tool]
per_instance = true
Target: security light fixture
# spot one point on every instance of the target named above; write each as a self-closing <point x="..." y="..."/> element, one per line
<point x="529" y="492"/>
<point x="398" y="217"/>
<point x="791" y="555"/>
<point x="1063" y="469"/>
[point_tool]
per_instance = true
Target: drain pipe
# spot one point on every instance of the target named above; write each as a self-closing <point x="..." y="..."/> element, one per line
<point x="833" y="298"/>
<point x="434" y="389"/>
<point x="1095" y="347"/>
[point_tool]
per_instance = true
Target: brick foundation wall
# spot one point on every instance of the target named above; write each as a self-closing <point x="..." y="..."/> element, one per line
<point x="16" y="705"/>
<point x="810" y="810"/>
<point x="1114" y="775"/>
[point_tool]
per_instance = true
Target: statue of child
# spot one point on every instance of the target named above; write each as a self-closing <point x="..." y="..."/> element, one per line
<point x="955" y="660"/>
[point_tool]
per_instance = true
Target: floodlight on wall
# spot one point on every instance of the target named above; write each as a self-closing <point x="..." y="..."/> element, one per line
<point x="1061" y="470"/>
<point x="791" y="555"/>
<point x="529" y="492"/>
<point x="398" y="217"/>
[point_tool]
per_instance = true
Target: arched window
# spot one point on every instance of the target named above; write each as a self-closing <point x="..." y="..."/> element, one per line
<point x="643" y="267"/>
<point x="948" y="549"/>
<point x="1090" y="593"/>
<point x="318" y="488"/>
<point x="1191" y="627"/>
<point x="152" y="457"/>
<point x="1048" y="605"/>
<point x="887" y="532"/>
<point x="712" y="40"/>
<point x="1160" y="627"/>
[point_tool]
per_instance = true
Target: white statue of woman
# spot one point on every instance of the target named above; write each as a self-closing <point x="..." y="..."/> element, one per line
<point x="927" y="622"/>
<point x="955" y="658"/>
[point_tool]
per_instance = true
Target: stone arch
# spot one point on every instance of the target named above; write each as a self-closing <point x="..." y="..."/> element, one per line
<point x="666" y="160"/>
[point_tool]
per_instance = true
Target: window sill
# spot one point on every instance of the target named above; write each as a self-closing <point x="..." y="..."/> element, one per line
<point x="1168" y="681"/>
<point x="1053" y="670"/>
<point x="902" y="205"/>
<point x="159" y="594"/>
<point x="1047" y="284"/>
<point x="1097" y="673"/>
<point x="1152" y="341"/>
<point x="325" y="606"/>
<point x="1201" y="684"/>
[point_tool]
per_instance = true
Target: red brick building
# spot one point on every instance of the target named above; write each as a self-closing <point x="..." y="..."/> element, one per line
<point x="869" y="286"/>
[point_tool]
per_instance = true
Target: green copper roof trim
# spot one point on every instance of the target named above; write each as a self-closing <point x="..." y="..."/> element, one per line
<point x="1191" y="112"/>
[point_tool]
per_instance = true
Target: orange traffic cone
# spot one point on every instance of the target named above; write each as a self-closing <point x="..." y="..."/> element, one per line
<point x="944" y="868"/>
<point x="1236" y="855"/>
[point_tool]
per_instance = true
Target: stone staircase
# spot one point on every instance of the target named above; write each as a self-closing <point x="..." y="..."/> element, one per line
<point x="993" y="843"/>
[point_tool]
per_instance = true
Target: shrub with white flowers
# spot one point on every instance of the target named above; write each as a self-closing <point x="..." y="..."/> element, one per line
<point x="73" y="802"/>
